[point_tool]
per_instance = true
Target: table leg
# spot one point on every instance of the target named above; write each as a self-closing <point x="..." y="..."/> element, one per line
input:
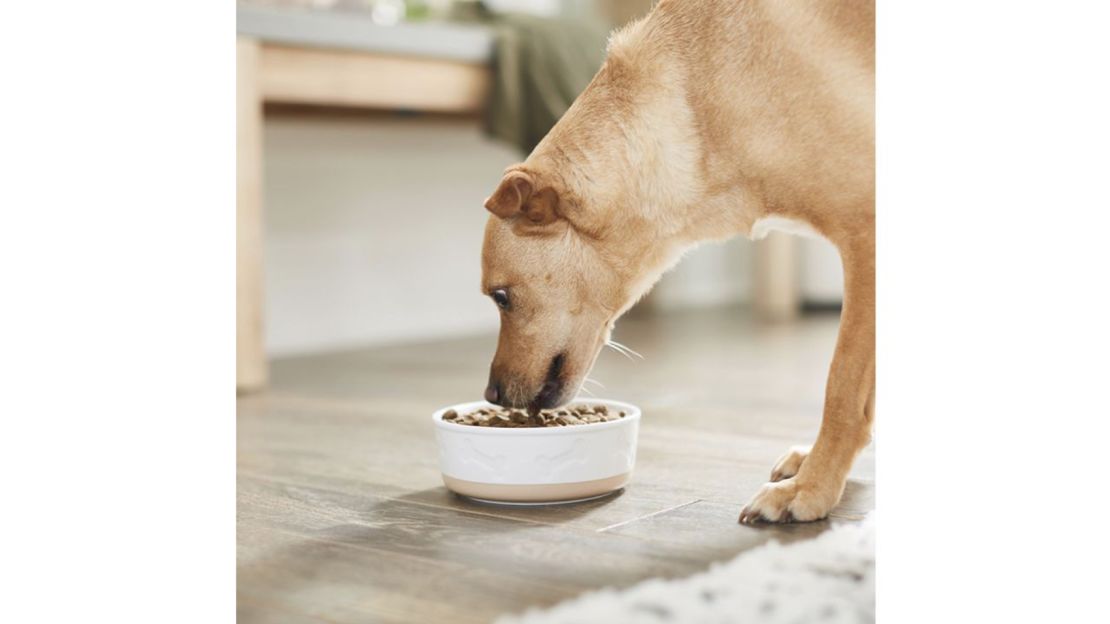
<point x="776" y="292"/>
<point x="251" y="368"/>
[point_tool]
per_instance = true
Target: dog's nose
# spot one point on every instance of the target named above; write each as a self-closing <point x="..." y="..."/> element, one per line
<point x="493" y="392"/>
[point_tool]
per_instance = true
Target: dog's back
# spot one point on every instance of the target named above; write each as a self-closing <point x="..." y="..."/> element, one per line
<point x="782" y="95"/>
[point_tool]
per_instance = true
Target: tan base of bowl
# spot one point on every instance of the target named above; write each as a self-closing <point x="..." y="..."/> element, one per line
<point x="541" y="493"/>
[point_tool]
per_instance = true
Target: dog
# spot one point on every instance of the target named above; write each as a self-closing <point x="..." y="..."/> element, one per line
<point x="709" y="119"/>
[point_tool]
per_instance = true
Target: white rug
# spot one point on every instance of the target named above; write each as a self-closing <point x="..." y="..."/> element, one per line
<point x="829" y="579"/>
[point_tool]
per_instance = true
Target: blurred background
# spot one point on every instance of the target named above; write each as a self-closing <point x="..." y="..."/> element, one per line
<point x="369" y="134"/>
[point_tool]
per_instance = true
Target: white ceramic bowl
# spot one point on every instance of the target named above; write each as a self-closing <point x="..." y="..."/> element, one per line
<point x="537" y="465"/>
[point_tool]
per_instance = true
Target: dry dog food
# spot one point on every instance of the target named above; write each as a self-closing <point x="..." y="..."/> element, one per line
<point x="560" y="417"/>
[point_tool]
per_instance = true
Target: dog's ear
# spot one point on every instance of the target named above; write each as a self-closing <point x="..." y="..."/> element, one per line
<point x="514" y="191"/>
<point x="517" y="195"/>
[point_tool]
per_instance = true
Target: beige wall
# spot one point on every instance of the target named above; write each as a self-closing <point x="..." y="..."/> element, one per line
<point x="373" y="227"/>
<point x="822" y="275"/>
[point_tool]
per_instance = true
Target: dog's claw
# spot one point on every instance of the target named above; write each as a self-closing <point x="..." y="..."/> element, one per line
<point x="789" y="464"/>
<point x="750" y="516"/>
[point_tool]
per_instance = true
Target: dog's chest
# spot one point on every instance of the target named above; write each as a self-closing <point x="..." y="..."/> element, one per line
<point x="762" y="227"/>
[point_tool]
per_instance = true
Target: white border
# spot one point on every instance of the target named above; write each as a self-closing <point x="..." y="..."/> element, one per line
<point x="993" y="204"/>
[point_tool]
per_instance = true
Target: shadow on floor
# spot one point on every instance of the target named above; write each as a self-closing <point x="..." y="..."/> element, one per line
<point x="546" y="514"/>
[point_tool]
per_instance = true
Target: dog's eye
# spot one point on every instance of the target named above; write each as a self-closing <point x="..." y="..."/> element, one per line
<point x="501" y="298"/>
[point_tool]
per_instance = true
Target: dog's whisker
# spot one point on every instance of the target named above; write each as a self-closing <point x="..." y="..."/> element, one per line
<point x="595" y="382"/>
<point x="623" y="350"/>
<point x="624" y="353"/>
<point x="583" y="388"/>
<point x="628" y="349"/>
<point x="616" y="348"/>
<point x="619" y="348"/>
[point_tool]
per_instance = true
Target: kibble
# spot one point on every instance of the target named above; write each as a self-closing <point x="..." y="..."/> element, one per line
<point x="502" y="417"/>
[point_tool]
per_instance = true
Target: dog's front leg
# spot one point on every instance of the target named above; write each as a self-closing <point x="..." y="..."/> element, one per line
<point x="807" y="485"/>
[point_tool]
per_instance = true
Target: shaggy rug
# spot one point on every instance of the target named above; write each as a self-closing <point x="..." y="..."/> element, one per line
<point x="829" y="579"/>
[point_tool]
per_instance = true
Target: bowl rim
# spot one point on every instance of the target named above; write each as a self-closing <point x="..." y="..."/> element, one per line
<point x="632" y="416"/>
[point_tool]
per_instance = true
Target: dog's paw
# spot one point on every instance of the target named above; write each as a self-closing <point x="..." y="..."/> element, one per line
<point x="788" y="465"/>
<point x="788" y="501"/>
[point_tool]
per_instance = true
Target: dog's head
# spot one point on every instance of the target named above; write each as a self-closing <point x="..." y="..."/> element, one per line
<point x="558" y="293"/>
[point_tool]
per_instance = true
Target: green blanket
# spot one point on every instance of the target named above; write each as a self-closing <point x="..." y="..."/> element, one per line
<point x="540" y="66"/>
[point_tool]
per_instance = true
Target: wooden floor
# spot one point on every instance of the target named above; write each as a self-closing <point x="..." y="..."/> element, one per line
<point x="342" y="516"/>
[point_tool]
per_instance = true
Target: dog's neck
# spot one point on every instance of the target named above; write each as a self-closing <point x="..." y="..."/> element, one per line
<point x="626" y="149"/>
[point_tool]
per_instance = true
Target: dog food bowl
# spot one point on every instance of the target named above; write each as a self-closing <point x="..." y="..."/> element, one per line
<point x="537" y="465"/>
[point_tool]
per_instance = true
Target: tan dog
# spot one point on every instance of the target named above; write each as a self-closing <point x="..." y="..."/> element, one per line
<point x="708" y="119"/>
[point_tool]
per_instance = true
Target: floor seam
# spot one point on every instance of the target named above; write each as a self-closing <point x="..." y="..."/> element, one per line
<point x="650" y="515"/>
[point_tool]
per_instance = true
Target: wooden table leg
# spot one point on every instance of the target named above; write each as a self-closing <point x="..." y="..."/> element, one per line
<point x="251" y="369"/>
<point x="776" y="292"/>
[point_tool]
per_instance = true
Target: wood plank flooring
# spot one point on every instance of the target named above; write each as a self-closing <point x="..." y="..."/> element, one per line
<point x="342" y="516"/>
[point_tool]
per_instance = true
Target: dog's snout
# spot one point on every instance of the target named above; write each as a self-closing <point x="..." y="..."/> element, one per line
<point x="493" y="392"/>
<point x="552" y="390"/>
